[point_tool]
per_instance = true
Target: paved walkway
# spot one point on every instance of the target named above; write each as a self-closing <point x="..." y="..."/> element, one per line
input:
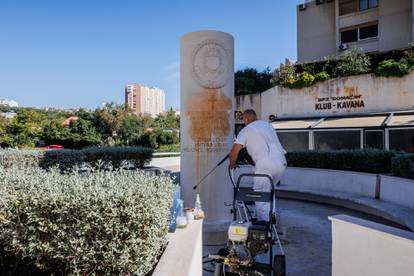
<point x="307" y="231"/>
<point x="169" y="163"/>
<point x="307" y="239"/>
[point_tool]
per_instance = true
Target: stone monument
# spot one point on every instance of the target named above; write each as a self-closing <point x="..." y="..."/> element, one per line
<point x="207" y="122"/>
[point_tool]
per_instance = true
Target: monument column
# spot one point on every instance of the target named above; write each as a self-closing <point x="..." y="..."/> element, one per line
<point x="207" y="122"/>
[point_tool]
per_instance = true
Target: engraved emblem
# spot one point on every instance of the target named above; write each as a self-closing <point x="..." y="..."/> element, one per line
<point x="210" y="66"/>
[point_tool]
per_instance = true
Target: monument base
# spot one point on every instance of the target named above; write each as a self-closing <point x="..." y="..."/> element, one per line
<point x="215" y="233"/>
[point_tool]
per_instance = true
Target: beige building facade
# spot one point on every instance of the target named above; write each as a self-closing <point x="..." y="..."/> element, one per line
<point x="145" y="100"/>
<point x="356" y="112"/>
<point x="329" y="27"/>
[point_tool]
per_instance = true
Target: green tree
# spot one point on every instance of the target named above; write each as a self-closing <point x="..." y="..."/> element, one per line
<point x="132" y="128"/>
<point x="27" y="126"/>
<point x="109" y="119"/>
<point x="250" y="81"/>
<point x="82" y="133"/>
<point x="167" y="120"/>
<point x="54" y="131"/>
<point x="6" y="140"/>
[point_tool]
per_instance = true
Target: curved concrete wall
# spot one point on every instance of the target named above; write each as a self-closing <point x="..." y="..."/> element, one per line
<point x="397" y="190"/>
<point x="362" y="184"/>
<point x="391" y="189"/>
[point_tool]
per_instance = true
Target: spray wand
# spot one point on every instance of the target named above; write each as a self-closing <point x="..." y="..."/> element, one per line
<point x="212" y="170"/>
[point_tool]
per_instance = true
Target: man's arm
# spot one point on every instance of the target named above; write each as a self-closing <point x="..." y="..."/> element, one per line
<point x="233" y="155"/>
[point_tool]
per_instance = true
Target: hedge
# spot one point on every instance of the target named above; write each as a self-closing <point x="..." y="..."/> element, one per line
<point x="403" y="166"/>
<point x="370" y="161"/>
<point x="377" y="161"/>
<point x="66" y="159"/>
<point x="20" y="158"/>
<point x="106" y="222"/>
<point x="138" y="156"/>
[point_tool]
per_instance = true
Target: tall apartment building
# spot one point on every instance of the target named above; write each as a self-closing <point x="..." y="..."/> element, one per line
<point x="145" y="100"/>
<point x="328" y="27"/>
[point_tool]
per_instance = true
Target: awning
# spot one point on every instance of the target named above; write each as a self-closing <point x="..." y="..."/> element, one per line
<point x="402" y="120"/>
<point x="357" y="122"/>
<point x="294" y="124"/>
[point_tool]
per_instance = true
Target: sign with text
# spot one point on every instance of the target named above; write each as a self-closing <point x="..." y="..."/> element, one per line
<point x="340" y="102"/>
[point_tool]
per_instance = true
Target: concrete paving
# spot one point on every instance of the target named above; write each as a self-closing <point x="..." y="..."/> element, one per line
<point x="307" y="236"/>
<point x="169" y="163"/>
<point x="307" y="231"/>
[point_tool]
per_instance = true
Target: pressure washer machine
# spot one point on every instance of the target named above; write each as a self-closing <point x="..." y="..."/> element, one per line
<point x="250" y="240"/>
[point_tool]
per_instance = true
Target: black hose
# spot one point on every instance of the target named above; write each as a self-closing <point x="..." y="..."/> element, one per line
<point x="224" y="244"/>
<point x="231" y="178"/>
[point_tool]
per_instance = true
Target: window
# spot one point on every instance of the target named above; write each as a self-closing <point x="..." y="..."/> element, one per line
<point x="402" y="139"/>
<point x="336" y="139"/>
<point x="294" y="140"/>
<point x="367" y="4"/>
<point x="347" y="6"/>
<point x="349" y="36"/>
<point x="352" y="6"/>
<point x="359" y="33"/>
<point x="374" y="139"/>
<point x="368" y="32"/>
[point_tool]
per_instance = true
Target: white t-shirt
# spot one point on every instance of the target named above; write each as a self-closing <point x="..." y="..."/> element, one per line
<point x="261" y="141"/>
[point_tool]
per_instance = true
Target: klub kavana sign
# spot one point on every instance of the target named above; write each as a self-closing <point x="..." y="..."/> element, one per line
<point x="340" y="103"/>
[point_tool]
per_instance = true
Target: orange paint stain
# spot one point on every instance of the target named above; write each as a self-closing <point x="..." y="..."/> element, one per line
<point x="209" y="115"/>
<point x="351" y="90"/>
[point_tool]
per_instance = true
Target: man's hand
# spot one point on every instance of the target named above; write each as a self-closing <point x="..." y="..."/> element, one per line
<point x="233" y="155"/>
<point x="233" y="166"/>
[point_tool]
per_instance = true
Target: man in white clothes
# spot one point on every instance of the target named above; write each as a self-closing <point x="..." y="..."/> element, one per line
<point x="263" y="145"/>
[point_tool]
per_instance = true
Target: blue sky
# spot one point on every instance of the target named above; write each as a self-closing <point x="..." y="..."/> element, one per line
<point x="75" y="53"/>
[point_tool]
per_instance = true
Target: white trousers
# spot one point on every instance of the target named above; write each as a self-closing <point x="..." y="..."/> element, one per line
<point x="275" y="169"/>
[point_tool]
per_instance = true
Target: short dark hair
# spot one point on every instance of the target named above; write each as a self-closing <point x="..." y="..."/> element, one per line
<point x="250" y="112"/>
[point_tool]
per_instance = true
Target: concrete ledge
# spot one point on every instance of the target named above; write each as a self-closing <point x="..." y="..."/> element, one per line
<point x="362" y="184"/>
<point x="165" y="154"/>
<point x="389" y="211"/>
<point x="391" y="198"/>
<point x="183" y="255"/>
<point x="397" y="190"/>
<point x="361" y="247"/>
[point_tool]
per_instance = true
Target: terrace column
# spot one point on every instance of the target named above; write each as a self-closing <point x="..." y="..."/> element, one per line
<point x="207" y="123"/>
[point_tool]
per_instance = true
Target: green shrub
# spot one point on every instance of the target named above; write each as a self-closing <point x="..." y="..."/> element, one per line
<point x="409" y="56"/>
<point x="321" y="76"/>
<point x="291" y="82"/>
<point x="20" y="158"/>
<point x="169" y="148"/>
<point x="139" y="156"/>
<point x="392" y="68"/>
<point x="305" y="79"/>
<point x="65" y="159"/>
<point x="107" y="223"/>
<point x="148" y="139"/>
<point x="285" y="75"/>
<point x="353" y="63"/>
<point x="69" y="159"/>
<point x="370" y="161"/>
<point x="403" y="166"/>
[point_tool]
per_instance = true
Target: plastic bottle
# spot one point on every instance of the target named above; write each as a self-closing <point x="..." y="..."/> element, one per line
<point x="198" y="211"/>
<point x="181" y="220"/>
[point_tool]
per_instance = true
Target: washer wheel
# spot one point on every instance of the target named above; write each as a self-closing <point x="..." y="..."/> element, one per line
<point x="279" y="265"/>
